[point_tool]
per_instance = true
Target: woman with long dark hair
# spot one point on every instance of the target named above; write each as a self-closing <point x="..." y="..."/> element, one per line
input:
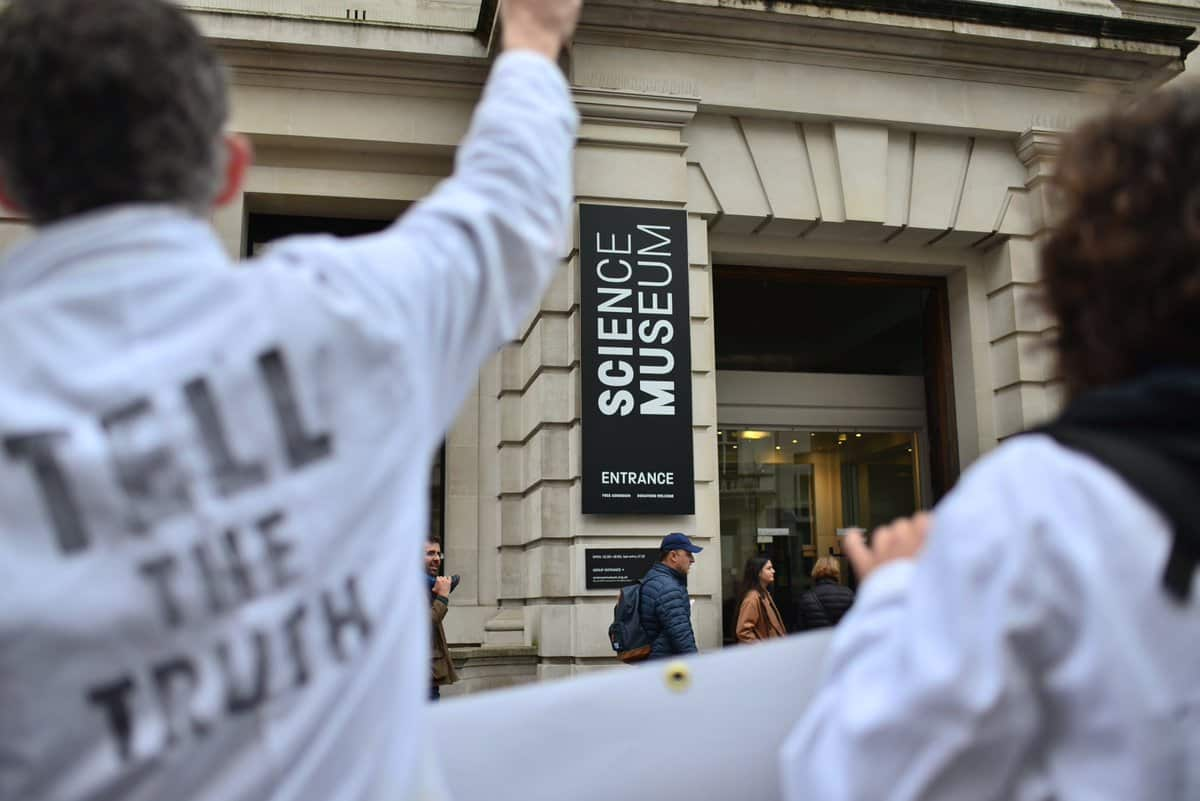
<point x="758" y="617"/>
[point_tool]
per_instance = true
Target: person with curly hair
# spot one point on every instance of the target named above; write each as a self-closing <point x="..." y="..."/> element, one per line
<point x="1039" y="636"/>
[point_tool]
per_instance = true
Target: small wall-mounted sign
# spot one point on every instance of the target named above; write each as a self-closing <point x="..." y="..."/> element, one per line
<point x="613" y="568"/>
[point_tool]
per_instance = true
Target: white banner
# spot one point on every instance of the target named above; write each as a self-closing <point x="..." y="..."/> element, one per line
<point x="708" y="732"/>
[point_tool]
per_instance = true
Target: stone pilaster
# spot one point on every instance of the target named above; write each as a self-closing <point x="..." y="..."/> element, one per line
<point x="1023" y="380"/>
<point x="630" y="151"/>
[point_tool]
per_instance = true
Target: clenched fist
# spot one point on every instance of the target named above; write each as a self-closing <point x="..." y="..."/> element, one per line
<point x="902" y="539"/>
<point x="544" y="26"/>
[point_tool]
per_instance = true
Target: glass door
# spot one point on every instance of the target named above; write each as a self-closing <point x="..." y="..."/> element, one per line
<point x="788" y="493"/>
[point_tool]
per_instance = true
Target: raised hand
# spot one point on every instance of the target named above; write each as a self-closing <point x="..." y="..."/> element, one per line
<point x="903" y="538"/>
<point x="544" y="26"/>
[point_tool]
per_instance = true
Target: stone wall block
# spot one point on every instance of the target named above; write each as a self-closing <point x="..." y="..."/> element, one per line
<point x="1017" y="215"/>
<point x="822" y="156"/>
<point x="862" y="156"/>
<point x="532" y="515"/>
<point x="563" y="293"/>
<point x="1017" y="307"/>
<point x="717" y="143"/>
<point x="706" y="621"/>
<point x="575" y="451"/>
<point x="551" y="398"/>
<point x="993" y="171"/>
<point x="697" y="228"/>
<point x="512" y="520"/>
<point x="704" y="356"/>
<point x="705" y="456"/>
<point x="1002" y="314"/>
<point x="461" y="547"/>
<point x="704" y="399"/>
<point x="512" y="572"/>
<point x="555" y="632"/>
<point x="1015" y="261"/>
<point x="702" y="199"/>
<point x="781" y="161"/>
<point x="1031" y="310"/>
<point x="939" y="170"/>
<point x="700" y="292"/>
<point x="557" y="511"/>
<point x="555" y="568"/>
<point x="1019" y="407"/>
<point x="510" y="368"/>
<point x="899" y="177"/>
<point x="510" y="418"/>
<point x="512" y="479"/>
<point x="635" y="176"/>
<point x="533" y="584"/>
<point x="546" y="457"/>
<point x="465" y="430"/>
<point x="592" y="621"/>
<point x="1006" y="362"/>
<point x="462" y="471"/>
<point x="531" y="351"/>
<point x="707" y="522"/>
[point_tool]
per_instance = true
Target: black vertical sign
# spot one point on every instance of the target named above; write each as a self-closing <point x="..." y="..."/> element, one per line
<point x="636" y="361"/>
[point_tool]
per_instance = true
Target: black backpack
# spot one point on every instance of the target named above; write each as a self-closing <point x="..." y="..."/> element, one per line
<point x="629" y="640"/>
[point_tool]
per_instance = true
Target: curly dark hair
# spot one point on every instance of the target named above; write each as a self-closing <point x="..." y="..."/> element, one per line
<point x="106" y="102"/>
<point x="1122" y="267"/>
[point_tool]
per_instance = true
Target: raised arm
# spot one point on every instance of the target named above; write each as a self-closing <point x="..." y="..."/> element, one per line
<point x="455" y="277"/>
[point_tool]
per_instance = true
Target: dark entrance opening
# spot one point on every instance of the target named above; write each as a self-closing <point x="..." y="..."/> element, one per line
<point x="773" y="480"/>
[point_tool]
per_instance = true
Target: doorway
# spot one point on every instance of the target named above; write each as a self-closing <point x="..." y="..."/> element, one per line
<point x="804" y="458"/>
<point x="834" y="412"/>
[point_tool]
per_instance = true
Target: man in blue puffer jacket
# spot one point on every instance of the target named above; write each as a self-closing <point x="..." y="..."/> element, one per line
<point x="665" y="608"/>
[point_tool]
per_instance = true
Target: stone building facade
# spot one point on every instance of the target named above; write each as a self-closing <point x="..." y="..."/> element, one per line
<point x="828" y="147"/>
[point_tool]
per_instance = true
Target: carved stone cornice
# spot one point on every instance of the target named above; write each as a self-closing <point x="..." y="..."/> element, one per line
<point x="634" y="108"/>
<point x="1037" y="149"/>
<point x="1059" y="50"/>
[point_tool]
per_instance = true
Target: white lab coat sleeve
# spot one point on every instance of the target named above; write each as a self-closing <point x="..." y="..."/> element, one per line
<point x="929" y="688"/>
<point x="453" y="279"/>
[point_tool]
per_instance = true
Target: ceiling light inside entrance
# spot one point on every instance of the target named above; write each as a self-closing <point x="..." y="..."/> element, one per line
<point x="755" y="434"/>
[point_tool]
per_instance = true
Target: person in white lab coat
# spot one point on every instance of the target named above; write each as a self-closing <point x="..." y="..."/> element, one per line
<point x="1044" y="643"/>
<point x="213" y="481"/>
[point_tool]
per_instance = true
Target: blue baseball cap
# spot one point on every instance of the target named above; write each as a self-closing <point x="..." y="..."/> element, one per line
<point x="676" y="541"/>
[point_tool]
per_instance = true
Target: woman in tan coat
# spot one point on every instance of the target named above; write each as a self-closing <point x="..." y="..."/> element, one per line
<point x="758" y="618"/>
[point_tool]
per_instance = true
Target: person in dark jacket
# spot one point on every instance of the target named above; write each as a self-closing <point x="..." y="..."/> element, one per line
<point x="665" y="608"/>
<point x="826" y="603"/>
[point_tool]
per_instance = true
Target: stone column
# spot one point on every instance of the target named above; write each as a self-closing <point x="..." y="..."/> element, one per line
<point x="1023" y="379"/>
<point x="630" y="152"/>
